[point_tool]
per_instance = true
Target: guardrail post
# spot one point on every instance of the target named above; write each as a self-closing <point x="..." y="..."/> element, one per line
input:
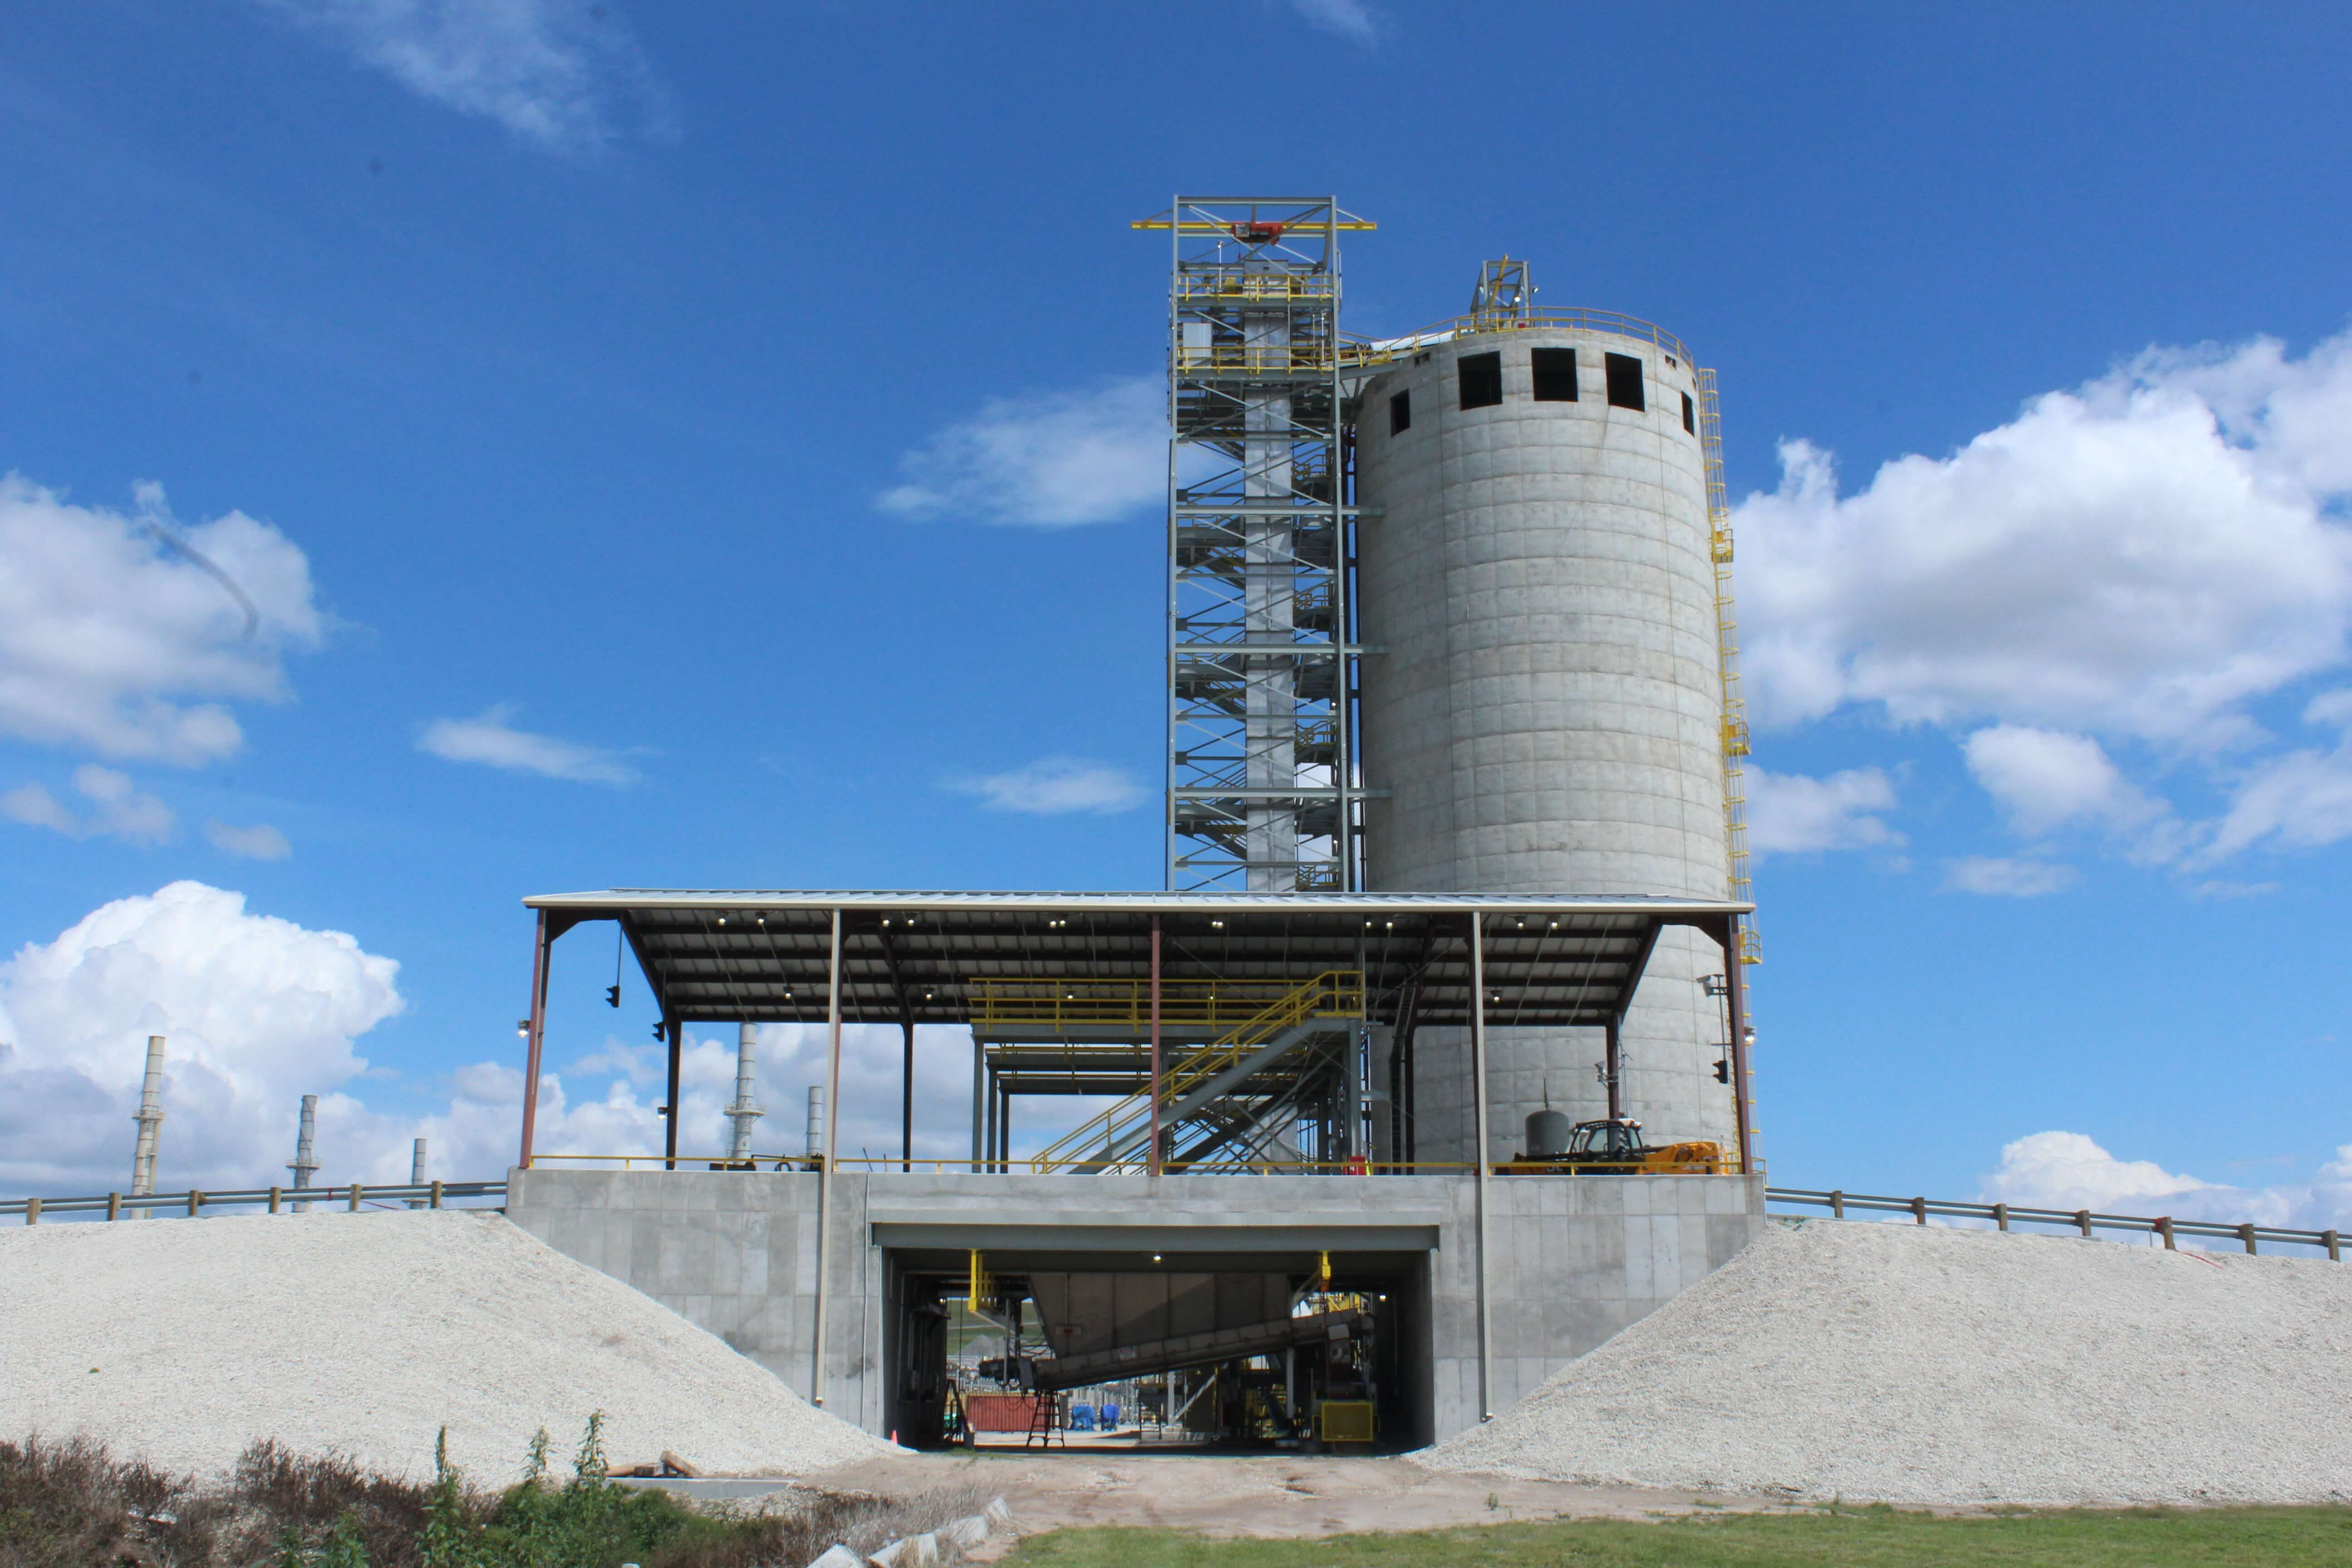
<point x="2083" y="1222"/>
<point x="355" y="1197"/>
<point x="32" y="1211"/>
<point x="2328" y="1238"/>
<point x="2164" y="1228"/>
<point x="195" y="1203"/>
<point x="2000" y="1216"/>
<point x="1919" y="1210"/>
<point x="273" y="1200"/>
<point x="436" y="1200"/>
<point x="1837" y="1205"/>
<point x="2246" y="1234"/>
<point x="114" y="1205"/>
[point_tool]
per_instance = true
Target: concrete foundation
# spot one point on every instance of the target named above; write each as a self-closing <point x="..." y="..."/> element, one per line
<point x="1574" y="1258"/>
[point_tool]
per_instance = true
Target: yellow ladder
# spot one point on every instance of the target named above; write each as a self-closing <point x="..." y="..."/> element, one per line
<point x="1337" y="994"/>
<point x="1727" y="637"/>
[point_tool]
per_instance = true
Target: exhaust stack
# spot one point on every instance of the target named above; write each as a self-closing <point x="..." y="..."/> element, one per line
<point x="306" y="1148"/>
<point x="149" y="1118"/>
<point x="746" y="1109"/>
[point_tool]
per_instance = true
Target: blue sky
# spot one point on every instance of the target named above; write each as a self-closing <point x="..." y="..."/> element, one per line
<point x="711" y="445"/>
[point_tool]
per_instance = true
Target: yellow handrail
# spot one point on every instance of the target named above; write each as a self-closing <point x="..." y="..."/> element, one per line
<point x="1003" y="1004"/>
<point x="1338" y="994"/>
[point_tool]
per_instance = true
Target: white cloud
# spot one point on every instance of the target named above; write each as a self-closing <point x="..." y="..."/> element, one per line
<point x="258" y="842"/>
<point x="2301" y="800"/>
<point x="1053" y="787"/>
<point x="1790" y="813"/>
<point x="257" y="1012"/>
<point x="122" y="811"/>
<point x="2047" y="779"/>
<point x="2138" y="558"/>
<point x="1053" y="460"/>
<point x="2006" y="878"/>
<point x="2070" y="1170"/>
<point x="556" y="73"/>
<point x="113" y="640"/>
<point x="1350" y="19"/>
<point x="488" y="739"/>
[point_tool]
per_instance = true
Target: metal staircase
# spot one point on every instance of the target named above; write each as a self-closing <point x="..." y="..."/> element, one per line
<point x="1119" y="1138"/>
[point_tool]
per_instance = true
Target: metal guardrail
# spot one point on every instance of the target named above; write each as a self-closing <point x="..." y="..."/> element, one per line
<point x="353" y="1197"/>
<point x="2084" y="1221"/>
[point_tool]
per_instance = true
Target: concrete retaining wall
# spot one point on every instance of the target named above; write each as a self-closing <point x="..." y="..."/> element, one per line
<point x="1575" y="1258"/>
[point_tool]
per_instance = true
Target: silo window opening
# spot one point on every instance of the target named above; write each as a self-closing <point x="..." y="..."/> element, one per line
<point x="1482" y="380"/>
<point x="1400" y="413"/>
<point x="1555" y="374"/>
<point x="1624" y="372"/>
<point x="1690" y="415"/>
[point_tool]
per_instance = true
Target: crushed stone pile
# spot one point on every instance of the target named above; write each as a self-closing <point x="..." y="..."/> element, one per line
<point x="1926" y="1366"/>
<point x="184" y="1340"/>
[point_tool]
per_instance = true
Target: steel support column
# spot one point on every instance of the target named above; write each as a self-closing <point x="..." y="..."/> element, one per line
<point x="824" y="1165"/>
<point x="978" y="1105"/>
<point x="1152" y="1164"/>
<point x="674" y="1030"/>
<point x="1735" y="988"/>
<point x="1613" y="1064"/>
<point x="1484" y="1165"/>
<point x="535" y="1032"/>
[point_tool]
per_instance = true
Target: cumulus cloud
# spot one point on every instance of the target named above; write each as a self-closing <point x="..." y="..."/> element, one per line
<point x="2139" y="557"/>
<point x="1053" y="460"/>
<point x="258" y="842"/>
<point x="119" y="811"/>
<point x="114" y="639"/>
<point x="490" y="740"/>
<point x="257" y="1012"/>
<point x="1997" y="876"/>
<point x="2070" y="1170"/>
<point x="559" y="74"/>
<point x="1054" y="786"/>
<point x="1789" y="814"/>
<point x="2046" y="779"/>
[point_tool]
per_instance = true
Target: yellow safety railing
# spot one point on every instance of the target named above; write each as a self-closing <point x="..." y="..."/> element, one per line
<point x="1009" y="1005"/>
<point x="1339" y="994"/>
<point x="1365" y="354"/>
<point x="889" y="1164"/>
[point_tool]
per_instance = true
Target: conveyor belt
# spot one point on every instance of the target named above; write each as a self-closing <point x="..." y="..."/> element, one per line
<point x="1198" y="1349"/>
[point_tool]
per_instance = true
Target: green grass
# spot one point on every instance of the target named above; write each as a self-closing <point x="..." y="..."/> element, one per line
<point x="1867" y="1538"/>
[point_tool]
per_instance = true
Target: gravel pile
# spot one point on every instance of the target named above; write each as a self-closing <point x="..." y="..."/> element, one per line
<point x="1927" y="1365"/>
<point x="185" y="1340"/>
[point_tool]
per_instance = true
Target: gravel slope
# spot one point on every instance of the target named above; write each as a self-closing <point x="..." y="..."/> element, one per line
<point x="1929" y="1366"/>
<point x="185" y="1339"/>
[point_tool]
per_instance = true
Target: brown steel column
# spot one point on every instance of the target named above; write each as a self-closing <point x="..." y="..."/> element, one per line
<point x="1734" y="990"/>
<point x="535" y="1032"/>
<point x="1152" y="1165"/>
<point x="1613" y="1050"/>
<point x="907" y="1100"/>
<point x="676" y="1030"/>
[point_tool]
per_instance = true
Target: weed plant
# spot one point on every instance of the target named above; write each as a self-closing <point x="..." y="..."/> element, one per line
<point x="72" y="1505"/>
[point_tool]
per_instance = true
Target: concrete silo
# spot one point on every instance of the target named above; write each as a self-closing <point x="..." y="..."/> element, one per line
<point x="1545" y="709"/>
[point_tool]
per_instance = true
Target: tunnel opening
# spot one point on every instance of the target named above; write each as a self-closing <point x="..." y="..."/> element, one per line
<point x="1143" y="1351"/>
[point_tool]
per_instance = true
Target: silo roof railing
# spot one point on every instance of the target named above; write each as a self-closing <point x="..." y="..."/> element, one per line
<point x="1367" y="352"/>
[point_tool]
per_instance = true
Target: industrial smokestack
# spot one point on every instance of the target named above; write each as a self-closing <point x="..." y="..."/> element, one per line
<point x="306" y="1148"/>
<point x="149" y="1118"/>
<point x="815" y="1124"/>
<point x="746" y="1109"/>
<point x="416" y="1174"/>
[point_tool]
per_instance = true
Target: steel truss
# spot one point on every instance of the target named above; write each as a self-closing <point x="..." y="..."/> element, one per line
<point x="1264" y="788"/>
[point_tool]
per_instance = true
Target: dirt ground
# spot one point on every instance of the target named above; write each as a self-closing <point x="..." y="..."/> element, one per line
<point x="1274" y="1496"/>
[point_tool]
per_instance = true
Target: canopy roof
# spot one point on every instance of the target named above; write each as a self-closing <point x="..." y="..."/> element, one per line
<point x="761" y="955"/>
